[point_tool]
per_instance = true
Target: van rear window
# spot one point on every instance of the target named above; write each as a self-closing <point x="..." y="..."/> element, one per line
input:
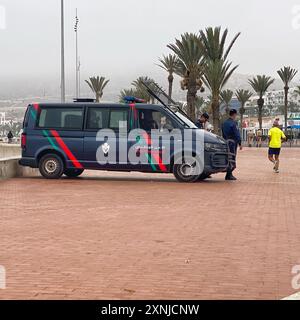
<point x="26" y="117"/>
<point x="61" y="118"/>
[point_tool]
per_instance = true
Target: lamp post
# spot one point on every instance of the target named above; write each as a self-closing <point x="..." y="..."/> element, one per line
<point x="77" y="58"/>
<point x="62" y="85"/>
<point x="79" y="65"/>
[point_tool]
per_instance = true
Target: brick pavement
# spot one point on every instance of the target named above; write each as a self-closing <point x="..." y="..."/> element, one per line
<point x="133" y="235"/>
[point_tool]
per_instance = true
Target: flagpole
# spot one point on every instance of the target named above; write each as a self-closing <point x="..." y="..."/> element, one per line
<point x="77" y="58"/>
<point x="63" y="90"/>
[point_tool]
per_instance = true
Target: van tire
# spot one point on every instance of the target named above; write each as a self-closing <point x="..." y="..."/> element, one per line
<point x="203" y="176"/>
<point x="73" y="173"/>
<point x="179" y="172"/>
<point x="51" y="166"/>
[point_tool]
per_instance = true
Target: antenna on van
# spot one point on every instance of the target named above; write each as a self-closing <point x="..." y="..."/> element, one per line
<point x="152" y="93"/>
<point x="160" y="95"/>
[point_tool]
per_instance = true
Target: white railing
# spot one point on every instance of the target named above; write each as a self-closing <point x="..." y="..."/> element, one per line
<point x="9" y="162"/>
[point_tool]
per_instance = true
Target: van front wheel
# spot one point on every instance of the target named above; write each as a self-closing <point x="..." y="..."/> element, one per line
<point x="187" y="171"/>
<point x="73" y="173"/>
<point x="51" y="166"/>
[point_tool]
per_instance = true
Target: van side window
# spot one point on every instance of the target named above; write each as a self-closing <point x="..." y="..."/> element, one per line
<point x="153" y="119"/>
<point x="97" y="118"/>
<point x="118" y="119"/>
<point x="106" y="118"/>
<point x="61" y="118"/>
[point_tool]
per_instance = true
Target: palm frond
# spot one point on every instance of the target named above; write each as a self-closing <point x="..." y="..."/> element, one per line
<point x="287" y="74"/>
<point x="261" y="84"/>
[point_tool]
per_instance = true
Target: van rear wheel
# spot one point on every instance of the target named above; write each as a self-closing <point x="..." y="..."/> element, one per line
<point x="73" y="173"/>
<point x="51" y="166"/>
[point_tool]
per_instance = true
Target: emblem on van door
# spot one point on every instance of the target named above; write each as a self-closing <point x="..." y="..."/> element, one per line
<point x="105" y="148"/>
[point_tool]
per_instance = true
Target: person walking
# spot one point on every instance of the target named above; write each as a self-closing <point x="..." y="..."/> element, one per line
<point x="276" y="136"/>
<point x="250" y="138"/>
<point x="258" y="138"/>
<point x="232" y="135"/>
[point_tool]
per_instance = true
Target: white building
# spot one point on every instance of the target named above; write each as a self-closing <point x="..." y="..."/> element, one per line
<point x="2" y="118"/>
<point x="276" y="97"/>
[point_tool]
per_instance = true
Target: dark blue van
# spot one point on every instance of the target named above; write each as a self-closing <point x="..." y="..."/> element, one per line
<point x="72" y="137"/>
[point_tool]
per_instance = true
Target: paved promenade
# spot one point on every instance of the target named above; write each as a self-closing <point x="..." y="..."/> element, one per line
<point x="134" y="236"/>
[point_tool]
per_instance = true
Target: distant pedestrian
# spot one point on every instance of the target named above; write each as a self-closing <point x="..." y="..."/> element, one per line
<point x="258" y="138"/>
<point x="250" y="138"/>
<point x="231" y="133"/>
<point x="10" y="137"/>
<point x="276" y="136"/>
<point x="203" y="122"/>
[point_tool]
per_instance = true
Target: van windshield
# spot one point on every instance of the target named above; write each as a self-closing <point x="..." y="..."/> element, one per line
<point x="186" y="121"/>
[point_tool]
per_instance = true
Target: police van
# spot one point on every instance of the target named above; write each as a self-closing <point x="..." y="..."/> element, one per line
<point x="68" y="138"/>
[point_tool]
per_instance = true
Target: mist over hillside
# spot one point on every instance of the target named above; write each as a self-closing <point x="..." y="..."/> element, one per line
<point x="15" y="91"/>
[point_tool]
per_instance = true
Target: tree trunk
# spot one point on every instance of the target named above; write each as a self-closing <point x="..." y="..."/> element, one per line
<point x="170" y="79"/>
<point x="242" y="119"/>
<point x="227" y="109"/>
<point x="286" y="91"/>
<point x="191" y="102"/>
<point x="215" y="105"/>
<point x="260" y="117"/>
<point x="260" y="104"/>
<point x="98" y="97"/>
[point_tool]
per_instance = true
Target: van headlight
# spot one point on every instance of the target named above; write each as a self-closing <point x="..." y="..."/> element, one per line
<point x="213" y="147"/>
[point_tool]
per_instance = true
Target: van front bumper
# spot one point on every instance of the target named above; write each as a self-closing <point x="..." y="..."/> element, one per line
<point x="216" y="162"/>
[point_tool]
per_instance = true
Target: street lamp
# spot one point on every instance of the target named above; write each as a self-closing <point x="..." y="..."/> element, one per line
<point x="62" y="85"/>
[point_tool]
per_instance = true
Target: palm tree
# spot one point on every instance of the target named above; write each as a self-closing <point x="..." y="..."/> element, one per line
<point x="127" y="92"/>
<point x="97" y="85"/>
<point x="226" y="97"/>
<point x="199" y="103"/>
<point x="190" y="60"/>
<point x="286" y="74"/>
<point x="243" y="96"/>
<point x="140" y="90"/>
<point x="217" y="69"/>
<point x="170" y="63"/>
<point x="260" y="85"/>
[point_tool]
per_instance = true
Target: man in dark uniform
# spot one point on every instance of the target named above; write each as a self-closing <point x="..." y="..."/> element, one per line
<point x="232" y="135"/>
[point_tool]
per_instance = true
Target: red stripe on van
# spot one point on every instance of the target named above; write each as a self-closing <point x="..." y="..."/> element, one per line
<point x="156" y="156"/>
<point x="36" y="106"/>
<point x="67" y="151"/>
<point x="134" y="110"/>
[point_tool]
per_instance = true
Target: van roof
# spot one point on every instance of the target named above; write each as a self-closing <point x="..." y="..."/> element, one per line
<point x="94" y="104"/>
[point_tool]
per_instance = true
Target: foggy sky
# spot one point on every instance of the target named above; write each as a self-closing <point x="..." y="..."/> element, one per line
<point x="124" y="38"/>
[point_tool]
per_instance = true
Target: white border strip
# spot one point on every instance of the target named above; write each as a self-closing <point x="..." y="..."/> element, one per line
<point x="295" y="296"/>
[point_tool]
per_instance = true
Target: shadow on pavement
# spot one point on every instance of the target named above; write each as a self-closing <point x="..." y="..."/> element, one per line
<point x="168" y="178"/>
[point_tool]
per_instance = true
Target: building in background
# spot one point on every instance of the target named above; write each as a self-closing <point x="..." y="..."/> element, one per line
<point x="276" y="97"/>
<point x="2" y="118"/>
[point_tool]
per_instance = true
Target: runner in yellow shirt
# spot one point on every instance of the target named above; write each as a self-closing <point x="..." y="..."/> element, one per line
<point x="276" y="136"/>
